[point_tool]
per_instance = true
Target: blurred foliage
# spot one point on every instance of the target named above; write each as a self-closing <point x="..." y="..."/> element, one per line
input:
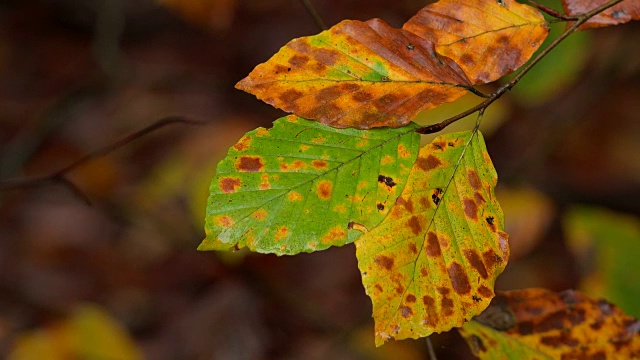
<point x="89" y="333"/>
<point x="606" y="245"/>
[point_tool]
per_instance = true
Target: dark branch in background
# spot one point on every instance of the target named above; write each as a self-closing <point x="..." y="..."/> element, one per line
<point x="581" y="19"/>
<point x="60" y="176"/>
<point x="314" y="14"/>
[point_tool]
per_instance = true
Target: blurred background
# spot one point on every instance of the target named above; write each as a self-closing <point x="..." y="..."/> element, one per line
<point x="121" y="279"/>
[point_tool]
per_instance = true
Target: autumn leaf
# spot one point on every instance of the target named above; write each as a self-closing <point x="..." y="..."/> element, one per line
<point x="431" y="264"/>
<point x="487" y="38"/>
<point x="357" y="74"/>
<point x="618" y="14"/>
<point x="541" y="324"/>
<point x="304" y="186"/>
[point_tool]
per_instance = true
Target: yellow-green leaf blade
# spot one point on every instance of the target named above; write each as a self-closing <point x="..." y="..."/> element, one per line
<point x="487" y="38"/>
<point x="357" y="74"/>
<point x="541" y="324"/>
<point x="303" y="186"/>
<point x="431" y="264"/>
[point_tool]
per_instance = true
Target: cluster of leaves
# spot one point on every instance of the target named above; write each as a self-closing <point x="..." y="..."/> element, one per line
<point x="348" y="167"/>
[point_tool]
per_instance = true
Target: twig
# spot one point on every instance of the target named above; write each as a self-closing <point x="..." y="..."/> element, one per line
<point x="581" y="19"/>
<point x="314" y="14"/>
<point x="60" y="176"/>
<point x="430" y="350"/>
<point x="553" y="12"/>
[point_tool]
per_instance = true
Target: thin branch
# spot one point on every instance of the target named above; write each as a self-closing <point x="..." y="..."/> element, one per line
<point x="60" y="176"/>
<point x="314" y="14"/>
<point x="430" y="350"/>
<point x="553" y="12"/>
<point x="430" y="129"/>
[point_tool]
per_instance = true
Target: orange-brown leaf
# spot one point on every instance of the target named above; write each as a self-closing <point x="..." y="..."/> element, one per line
<point x="619" y="14"/>
<point x="540" y="324"/>
<point x="357" y="74"/>
<point x="487" y="38"/>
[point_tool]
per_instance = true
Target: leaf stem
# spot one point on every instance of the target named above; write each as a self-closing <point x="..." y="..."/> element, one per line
<point x="314" y="14"/>
<point x="553" y="12"/>
<point x="581" y="19"/>
<point x="60" y="176"/>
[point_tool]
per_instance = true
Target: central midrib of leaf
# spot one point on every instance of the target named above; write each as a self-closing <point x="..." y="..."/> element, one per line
<point x="435" y="212"/>
<point x="463" y="39"/>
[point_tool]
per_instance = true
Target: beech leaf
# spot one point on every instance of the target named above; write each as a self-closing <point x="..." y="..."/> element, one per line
<point x="357" y="74"/>
<point x="431" y="264"/>
<point x="487" y="38"/>
<point x="541" y="324"/>
<point x="618" y="14"/>
<point x="303" y="186"/>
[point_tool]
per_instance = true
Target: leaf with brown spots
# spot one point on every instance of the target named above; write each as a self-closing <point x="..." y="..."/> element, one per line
<point x="431" y="264"/>
<point x="487" y="38"/>
<point x="541" y="324"/>
<point x="618" y="14"/>
<point x="303" y="186"/>
<point x="357" y="74"/>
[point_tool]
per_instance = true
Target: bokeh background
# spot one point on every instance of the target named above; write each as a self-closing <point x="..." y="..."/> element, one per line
<point x="121" y="279"/>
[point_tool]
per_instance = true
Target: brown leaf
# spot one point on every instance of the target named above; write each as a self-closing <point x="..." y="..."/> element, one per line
<point x="619" y="14"/>
<point x="357" y="74"/>
<point x="538" y="323"/>
<point x="488" y="39"/>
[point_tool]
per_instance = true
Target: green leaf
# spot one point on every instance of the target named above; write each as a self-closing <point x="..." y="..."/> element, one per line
<point x="541" y="324"/>
<point x="607" y="245"/>
<point x="431" y="264"/>
<point x="303" y="186"/>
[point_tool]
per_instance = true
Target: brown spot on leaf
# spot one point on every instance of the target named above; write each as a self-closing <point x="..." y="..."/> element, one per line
<point x="467" y="59"/>
<point x="552" y="321"/>
<point x="431" y="162"/>
<point x="260" y="214"/>
<point x="378" y="287"/>
<point x="249" y="164"/>
<point x="380" y="206"/>
<point x="224" y="221"/>
<point x="319" y="164"/>
<point x="430" y="308"/>
<point x="294" y="196"/>
<point x="433" y="245"/>
<point x="476" y="262"/>
<point x="407" y="203"/>
<point x="281" y="233"/>
<point x="424" y="272"/>
<point x="264" y="184"/>
<point x="474" y="179"/>
<point x="362" y="96"/>
<point x="325" y="188"/>
<point x="335" y="234"/>
<point x="411" y="298"/>
<point x="479" y="198"/>
<point x="438" y="145"/>
<point x="405" y="311"/>
<point x="290" y="96"/>
<point x="502" y="40"/>
<point x="415" y="226"/>
<point x="386" y="180"/>
<point x="447" y="306"/>
<point x="243" y="144"/>
<point x="325" y="56"/>
<point x="490" y="259"/>
<point x="470" y="209"/>
<point x="279" y="69"/>
<point x="230" y="185"/>
<point x="424" y="202"/>
<point x="459" y="279"/>
<point x="485" y="292"/>
<point x="413" y="248"/>
<point x="384" y="261"/>
<point x="298" y="60"/>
